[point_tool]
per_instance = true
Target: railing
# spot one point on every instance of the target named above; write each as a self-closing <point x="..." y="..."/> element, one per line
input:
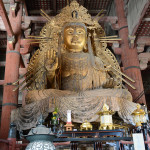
<point x="73" y="139"/>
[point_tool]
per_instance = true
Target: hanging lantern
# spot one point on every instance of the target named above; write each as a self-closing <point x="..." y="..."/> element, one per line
<point x="106" y="118"/>
<point x="139" y="116"/>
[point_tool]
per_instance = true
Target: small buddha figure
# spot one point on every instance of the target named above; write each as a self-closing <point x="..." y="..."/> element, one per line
<point x="70" y="72"/>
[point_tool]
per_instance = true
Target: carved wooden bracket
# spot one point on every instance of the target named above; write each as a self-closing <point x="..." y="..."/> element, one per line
<point x="26" y="24"/>
<point x="140" y="47"/>
<point x="115" y="26"/>
<point x="27" y="32"/>
<point x="144" y="58"/>
<point x="112" y="20"/>
<point x="142" y="41"/>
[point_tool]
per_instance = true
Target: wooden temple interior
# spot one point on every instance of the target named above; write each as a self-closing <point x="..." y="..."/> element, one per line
<point x="128" y="19"/>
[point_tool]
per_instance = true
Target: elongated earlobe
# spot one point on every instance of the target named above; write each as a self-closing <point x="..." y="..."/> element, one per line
<point x="85" y="47"/>
<point x="64" y="46"/>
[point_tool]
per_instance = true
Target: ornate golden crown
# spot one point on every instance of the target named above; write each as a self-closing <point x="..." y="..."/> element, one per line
<point x="73" y="13"/>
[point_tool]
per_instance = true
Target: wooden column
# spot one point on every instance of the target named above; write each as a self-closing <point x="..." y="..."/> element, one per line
<point x="129" y="55"/>
<point x="5" y="19"/>
<point x="10" y="98"/>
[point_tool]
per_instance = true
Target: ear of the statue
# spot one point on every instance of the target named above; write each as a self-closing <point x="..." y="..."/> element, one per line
<point x="91" y="52"/>
<point x="64" y="46"/>
<point x="85" y="46"/>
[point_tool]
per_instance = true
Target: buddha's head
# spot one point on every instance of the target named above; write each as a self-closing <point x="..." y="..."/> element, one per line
<point x="75" y="37"/>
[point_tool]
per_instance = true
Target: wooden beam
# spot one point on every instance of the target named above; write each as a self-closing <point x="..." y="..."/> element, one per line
<point x="111" y="19"/>
<point x="37" y="12"/>
<point x="146" y="19"/>
<point x="2" y="63"/>
<point x="2" y="82"/>
<point x="35" y="19"/>
<point x="5" y="19"/>
<point x="143" y="40"/>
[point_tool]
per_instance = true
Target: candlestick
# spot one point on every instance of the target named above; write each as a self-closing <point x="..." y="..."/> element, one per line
<point x="68" y="116"/>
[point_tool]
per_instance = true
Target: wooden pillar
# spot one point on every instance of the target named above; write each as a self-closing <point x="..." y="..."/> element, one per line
<point x="129" y="55"/>
<point x="10" y="98"/>
<point x="5" y="19"/>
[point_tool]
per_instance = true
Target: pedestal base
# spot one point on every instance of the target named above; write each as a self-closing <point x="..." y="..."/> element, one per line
<point x="69" y="126"/>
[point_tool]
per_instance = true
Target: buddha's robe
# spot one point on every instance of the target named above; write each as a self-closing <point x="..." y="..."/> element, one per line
<point x="81" y="90"/>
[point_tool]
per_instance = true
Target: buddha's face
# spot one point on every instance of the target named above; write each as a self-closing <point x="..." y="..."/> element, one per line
<point x="74" y="38"/>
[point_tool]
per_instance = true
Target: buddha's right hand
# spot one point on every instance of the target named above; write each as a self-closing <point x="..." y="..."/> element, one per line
<point x="51" y="62"/>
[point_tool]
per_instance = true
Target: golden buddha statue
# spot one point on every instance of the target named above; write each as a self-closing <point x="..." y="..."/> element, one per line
<point x="70" y="71"/>
<point x="77" y="72"/>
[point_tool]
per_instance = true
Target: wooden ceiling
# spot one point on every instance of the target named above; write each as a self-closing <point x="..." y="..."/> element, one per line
<point x="144" y="26"/>
<point x="52" y="7"/>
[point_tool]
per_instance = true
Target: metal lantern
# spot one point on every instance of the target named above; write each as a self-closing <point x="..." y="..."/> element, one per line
<point x="106" y="118"/>
<point x="41" y="137"/>
<point x="139" y="116"/>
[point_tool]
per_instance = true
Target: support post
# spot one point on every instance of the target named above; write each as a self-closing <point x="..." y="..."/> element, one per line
<point x="129" y="55"/>
<point x="5" y="19"/>
<point x="8" y="27"/>
<point x="10" y="98"/>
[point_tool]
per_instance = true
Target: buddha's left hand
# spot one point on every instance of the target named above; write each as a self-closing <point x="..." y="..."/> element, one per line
<point x="110" y="83"/>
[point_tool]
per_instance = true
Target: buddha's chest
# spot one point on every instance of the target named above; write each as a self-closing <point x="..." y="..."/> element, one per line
<point x="75" y="65"/>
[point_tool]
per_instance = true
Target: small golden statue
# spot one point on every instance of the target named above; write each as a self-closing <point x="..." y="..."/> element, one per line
<point x="73" y="69"/>
<point x="86" y="126"/>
